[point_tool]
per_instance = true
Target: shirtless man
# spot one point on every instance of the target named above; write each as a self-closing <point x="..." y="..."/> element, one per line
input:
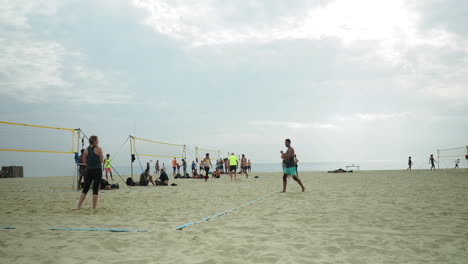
<point x="244" y="166"/>
<point x="156" y="167"/>
<point x="289" y="166"/>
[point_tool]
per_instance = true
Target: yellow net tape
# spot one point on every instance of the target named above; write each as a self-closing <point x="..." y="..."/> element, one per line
<point x="152" y="148"/>
<point x="35" y="138"/>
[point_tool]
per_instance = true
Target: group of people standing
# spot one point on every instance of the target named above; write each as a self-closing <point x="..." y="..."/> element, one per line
<point x="432" y="161"/>
<point x="92" y="164"/>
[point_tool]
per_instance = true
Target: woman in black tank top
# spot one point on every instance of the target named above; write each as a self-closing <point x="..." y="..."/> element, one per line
<point x="93" y="159"/>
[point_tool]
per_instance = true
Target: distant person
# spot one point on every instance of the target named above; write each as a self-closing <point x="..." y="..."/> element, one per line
<point x="156" y="167"/>
<point x="296" y="161"/>
<point x="148" y="163"/>
<point x="232" y="166"/>
<point x="207" y="164"/>
<point x="93" y="158"/>
<point x="432" y="161"/>
<point x="174" y="166"/>
<point x="81" y="170"/>
<point x="226" y="165"/>
<point x="107" y="167"/>
<point x="244" y="166"/>
<point x="184" y="167"/>
<point x="163" y="179"/>
<point x="146" y="177"/>
<point x="201" y="166"/>
<point x="194" y="166"/>
<point x="178" y="168"/>
<point x="410" y="163"/>
<point x="164" y="167"/>
<point x="457" y="161"/>
<point x="217" y="173"/>
<point x="290" y="166"/>
<point x="249" y="166"/>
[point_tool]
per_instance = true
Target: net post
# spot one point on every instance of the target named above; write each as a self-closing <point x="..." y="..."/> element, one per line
<point x="438" y="164"/>
<point x="131" y="157"/>
<point x="196" y="153"/>
<point x="77" y="170"/>
<point x="466" y="156"/>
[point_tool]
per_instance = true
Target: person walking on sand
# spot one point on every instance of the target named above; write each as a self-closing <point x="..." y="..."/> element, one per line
<point x="93" y="159"/>
<point x="244" y="166"/>
<point x="296" y="161"/>
<point x="432" y="161"/>
<point x="156" y="167"/>
<point x="410" y="163"/>
<point x="107" y="167"/>
<point x="174" y="166"/>
<point x="290" y="166"/>
<point x="232" y="166"/>
<point x="208" y="164"/>
<point x="184" y="167"/>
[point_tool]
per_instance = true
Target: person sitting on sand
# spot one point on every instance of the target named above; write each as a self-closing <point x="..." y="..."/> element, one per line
<point x="146" y="177"/>
<point x="163" y="179"/>
<point x="216" y="173"/>
<point x="194" y="173"/>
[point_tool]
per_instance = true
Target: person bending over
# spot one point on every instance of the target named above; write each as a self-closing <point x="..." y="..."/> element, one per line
<point x="216" y="173"/>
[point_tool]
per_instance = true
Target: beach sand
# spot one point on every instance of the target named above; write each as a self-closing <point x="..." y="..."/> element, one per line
<point x="364" y="217"/>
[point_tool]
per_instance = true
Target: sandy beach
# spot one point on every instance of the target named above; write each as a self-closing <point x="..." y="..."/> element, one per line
<point x="366" y="217"/>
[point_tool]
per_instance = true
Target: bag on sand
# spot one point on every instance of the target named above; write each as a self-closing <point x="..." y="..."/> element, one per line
<point x="104" y="183"/>
<point x="130" y="181"/>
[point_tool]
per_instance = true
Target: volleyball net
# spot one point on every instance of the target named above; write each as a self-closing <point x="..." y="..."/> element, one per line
<point x="148" y="151"/>
<point x="156" y="149"/>
<point x="200" y="153"/>
<point x="35" y="138"/>
<point x="447" y="158"/>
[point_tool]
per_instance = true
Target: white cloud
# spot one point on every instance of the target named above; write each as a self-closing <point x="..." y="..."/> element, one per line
<point x="33" y="70"/>
<point x="15" y="13"/>
<point x="372" y="116"/>
<point x="294" y="125"/>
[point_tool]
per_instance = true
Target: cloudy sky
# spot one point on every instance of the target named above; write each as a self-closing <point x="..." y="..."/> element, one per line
<point x="345" y="80"/>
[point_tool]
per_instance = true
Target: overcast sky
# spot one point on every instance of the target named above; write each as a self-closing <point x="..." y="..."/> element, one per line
<point x="345" y="80"/>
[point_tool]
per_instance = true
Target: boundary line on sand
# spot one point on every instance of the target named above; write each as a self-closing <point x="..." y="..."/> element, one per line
<point x="223" y="213"/>
<point x="76" y="229"/>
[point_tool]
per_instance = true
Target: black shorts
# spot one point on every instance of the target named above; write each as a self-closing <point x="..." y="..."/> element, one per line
<point x="233" y="168"/>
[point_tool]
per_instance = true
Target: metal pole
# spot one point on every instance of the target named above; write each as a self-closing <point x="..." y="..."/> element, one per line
<point x="466" y="157"/>
<point x="79" y="151"/>
<point x="438" y="166"/>
<point x="131" y="157"/>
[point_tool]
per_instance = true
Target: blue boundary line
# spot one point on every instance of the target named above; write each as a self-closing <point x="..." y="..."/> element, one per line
<point x="223" y="213"/>
<point x="79" y="229"/>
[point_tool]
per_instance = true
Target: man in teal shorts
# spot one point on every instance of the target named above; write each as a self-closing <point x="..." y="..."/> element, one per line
<point x="289" y="166"/>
